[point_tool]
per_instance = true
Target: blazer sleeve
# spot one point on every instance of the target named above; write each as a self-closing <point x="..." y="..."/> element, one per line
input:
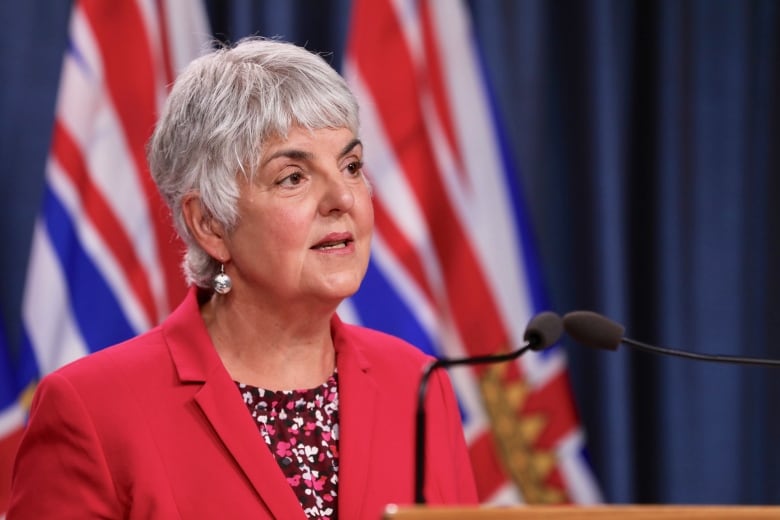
<point x="455" y="476"/>
<point x="60" y="470"/>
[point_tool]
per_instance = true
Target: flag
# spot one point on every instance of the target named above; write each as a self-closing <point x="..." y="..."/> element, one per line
<point x="105" y="263"/>
<point x="453" y="266"/>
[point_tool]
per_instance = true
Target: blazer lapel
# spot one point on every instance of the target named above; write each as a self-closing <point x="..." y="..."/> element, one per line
<point x="233" y="424"/>
<point x="357" y="410"/>
<point x="197" y="362"/>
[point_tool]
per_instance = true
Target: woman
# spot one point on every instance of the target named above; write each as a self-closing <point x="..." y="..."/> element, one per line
<point x="252" y="400"/>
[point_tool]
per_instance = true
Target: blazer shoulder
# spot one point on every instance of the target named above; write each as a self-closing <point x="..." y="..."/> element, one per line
<point x="138" y="353"/>
<point x="382" y="347"/>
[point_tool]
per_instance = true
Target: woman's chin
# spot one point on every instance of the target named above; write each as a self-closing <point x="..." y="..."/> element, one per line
<point x="340" y="288"/>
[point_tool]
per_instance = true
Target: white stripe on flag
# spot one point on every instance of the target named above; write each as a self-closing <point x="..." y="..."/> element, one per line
<point x="189" y="34"/>
<point x="11" y="419"/>
<point x="45" y="310"/>
<point x="576" y="472"/>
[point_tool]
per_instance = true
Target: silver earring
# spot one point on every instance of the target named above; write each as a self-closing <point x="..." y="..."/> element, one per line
<point x="222" y="283"/>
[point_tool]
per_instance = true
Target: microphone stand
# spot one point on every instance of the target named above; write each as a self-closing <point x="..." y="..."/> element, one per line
<point x="419" y="467"/>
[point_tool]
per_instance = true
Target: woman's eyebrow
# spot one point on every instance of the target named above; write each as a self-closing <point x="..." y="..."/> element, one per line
<point x="350" y="146"/>
<point x="290" y="153"/>
<point x="302" y="155"/>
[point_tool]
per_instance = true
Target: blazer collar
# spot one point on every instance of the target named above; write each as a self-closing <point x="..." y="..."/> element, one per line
<point x="197" y="363"/>
<point x="189" y="342"/>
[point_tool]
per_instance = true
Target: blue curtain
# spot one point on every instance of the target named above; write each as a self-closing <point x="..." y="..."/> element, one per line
<point x="646" y="134"/>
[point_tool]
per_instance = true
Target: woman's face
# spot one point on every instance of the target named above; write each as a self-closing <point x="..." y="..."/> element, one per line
<point x="305" y="221"/>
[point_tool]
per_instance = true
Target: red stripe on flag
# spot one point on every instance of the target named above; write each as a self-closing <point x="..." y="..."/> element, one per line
<point x="488" y="469"/>
<point x="69" y="156"/>
<point x="129" y="75"/>
<point x="377" y="33"/>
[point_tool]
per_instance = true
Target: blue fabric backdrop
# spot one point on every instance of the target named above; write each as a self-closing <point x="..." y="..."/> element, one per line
<point x="646" y="134"/>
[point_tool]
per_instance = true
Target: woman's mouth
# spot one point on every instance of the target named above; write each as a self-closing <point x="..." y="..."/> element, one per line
<point x="334" y="241"/>
<point x="332" y="245"/>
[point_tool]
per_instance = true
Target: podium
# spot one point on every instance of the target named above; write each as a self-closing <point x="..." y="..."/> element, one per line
<point x="571" y="512"/>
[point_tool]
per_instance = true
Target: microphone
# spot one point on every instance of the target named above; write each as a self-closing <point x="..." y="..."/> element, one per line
<point x="597" y="331"/>
<point x="543" y="330"/>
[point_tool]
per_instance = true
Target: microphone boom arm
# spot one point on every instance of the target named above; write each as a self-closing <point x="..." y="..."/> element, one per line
<point x="430" y="368"/>
<point x="597" y="331"/>
<point x="542" y="331"/>
<point x="701" y="357"/>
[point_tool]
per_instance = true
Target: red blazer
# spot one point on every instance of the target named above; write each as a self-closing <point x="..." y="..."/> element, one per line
<point x="156" y="428"/>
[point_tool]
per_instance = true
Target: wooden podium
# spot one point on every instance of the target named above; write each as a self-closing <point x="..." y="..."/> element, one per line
<point x="570" y="512"/>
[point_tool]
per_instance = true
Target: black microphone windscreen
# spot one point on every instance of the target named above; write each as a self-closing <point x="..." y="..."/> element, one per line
<point x="543" y="330"/>
<point x="593" y="330"/>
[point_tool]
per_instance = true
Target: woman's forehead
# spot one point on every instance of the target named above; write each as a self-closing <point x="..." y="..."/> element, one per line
<point x="302" y="142"/>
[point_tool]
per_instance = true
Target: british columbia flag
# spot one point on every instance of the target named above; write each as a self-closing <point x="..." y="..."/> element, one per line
<point x="104" y="263"/>
<point x="453" y="268"/>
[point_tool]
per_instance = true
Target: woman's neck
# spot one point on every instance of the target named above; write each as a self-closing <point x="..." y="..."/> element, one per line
<point x="268" y="349"/>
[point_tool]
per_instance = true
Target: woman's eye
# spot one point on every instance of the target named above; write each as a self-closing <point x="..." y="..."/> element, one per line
<point x="355" y="168"/>
<point x="293" y="179"/>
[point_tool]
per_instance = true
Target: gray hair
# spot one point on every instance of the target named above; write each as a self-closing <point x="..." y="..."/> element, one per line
<point x="222" y="109"/>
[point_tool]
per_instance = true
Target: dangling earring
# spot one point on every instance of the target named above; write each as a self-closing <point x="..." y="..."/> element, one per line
<point x="222" y="283"/>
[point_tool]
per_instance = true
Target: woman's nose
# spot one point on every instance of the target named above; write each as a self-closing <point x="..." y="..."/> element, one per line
<point x="338" y="195"/>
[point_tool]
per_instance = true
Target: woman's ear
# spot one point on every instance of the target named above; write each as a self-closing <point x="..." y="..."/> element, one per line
<point x="206" y="231"/>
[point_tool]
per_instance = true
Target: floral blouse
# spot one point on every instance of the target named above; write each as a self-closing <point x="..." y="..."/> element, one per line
<point x="301" y="427"/>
